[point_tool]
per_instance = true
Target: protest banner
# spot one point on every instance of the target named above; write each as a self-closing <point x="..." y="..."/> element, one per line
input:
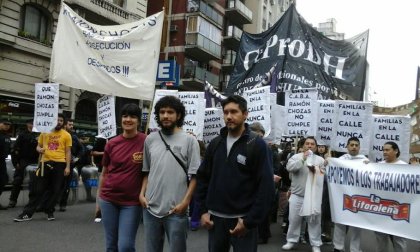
<point x="46" y="106"/>
<point x="153" y="126"/>
<point x="119" y="60"/>
<point x="353" y="119"/>
<point x="296" y="55"/>
<point x="326" y="119"/>
<point x="213" y="123"/>
<point x="379" y="197"/>
<point x="390" y="128"/>
<point x="194" y="112"/>
<point x="258" y="100"/>
<point x="278" y="113"/>
<point x="301" y="107"/>
<point x="107" y="126"/>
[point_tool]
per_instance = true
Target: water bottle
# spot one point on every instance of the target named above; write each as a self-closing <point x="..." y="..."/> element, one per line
<point x="310" y="159"/>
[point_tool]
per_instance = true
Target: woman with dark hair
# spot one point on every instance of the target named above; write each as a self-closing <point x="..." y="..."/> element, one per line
<point x="120" y="183"/>
<point x="391" y="153"/>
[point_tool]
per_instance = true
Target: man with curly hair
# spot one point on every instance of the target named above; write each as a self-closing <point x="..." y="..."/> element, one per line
<point x="171" y="157"/>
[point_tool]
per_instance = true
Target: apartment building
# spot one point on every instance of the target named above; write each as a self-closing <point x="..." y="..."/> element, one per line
<point x="27" y="30"/>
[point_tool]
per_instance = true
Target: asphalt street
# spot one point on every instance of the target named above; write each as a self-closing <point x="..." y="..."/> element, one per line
<point x="75" y="230"/>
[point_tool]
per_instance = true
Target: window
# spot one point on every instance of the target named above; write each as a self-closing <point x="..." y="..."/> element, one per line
<point x="35" y="24"/>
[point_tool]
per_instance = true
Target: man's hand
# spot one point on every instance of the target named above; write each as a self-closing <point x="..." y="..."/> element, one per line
<point x="181" y="208"/>
<point x="276" y="178"/>
<point x="206" y="222"/>
<point x="67" y="171"/>
<point x="40" y="150"/>
<point x="240" y="229"/>
<point x="143" y="201"/>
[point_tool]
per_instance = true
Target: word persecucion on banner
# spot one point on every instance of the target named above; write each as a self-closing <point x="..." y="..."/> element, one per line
<point x="118" y="60"/>
<point x="46" y="106"/>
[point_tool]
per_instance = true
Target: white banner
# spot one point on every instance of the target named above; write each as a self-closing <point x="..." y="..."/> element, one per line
<point x="278" y="113"/>
<point x="107" y="126"/>
<point x="326" y="119"/>
<point x="390" y="128"/>
<point x="46" y="106"/>
<point x="213" y="123"/>
<point x="194" y="112"/>
<point x="301" y="107"/>
<point x="353" y="119"/>
<point x="258" y="100"/>
<point x="153" y="126"/>
<point x="119" y="60"/>
<point x="379" y="197"/>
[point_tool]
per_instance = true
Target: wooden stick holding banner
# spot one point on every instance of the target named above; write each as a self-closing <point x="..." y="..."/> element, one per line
<point x="45" y="113"/>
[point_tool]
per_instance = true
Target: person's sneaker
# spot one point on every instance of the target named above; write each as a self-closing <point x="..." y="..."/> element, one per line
<point x="12" y="204"/>
<point x="23" y="217"/>
<point x="195" y="225"/>
<point x="50" y="217"/>
<point x="326" y="239"/>
<point x="289" y="246"/>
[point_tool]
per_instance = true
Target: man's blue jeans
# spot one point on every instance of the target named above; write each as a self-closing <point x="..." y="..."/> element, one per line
<point x="121" y="224"/>
<point x="174" y="226"/>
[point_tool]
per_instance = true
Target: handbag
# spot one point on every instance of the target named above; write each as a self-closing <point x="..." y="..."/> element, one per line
<point x="168" y="147"/>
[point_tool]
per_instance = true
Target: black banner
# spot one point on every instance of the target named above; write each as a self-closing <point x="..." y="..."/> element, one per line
<point x="293" y="55"/>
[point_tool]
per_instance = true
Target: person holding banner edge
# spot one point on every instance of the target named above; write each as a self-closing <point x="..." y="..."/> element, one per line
<point x="55" y="165"/>
<point x="353" y="148"/>
<point x="391" y="153"/>
<point x="301" y="166"/>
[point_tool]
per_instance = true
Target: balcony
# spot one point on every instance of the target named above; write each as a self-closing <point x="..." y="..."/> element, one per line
<point x="106" y="9"/>
<point x="238" y="13"/>
<point x="199" y="47"/>
<point x="233" y="37"/>
<point x="207" y="11"/>
<point x="194" y="78"/>
<point x="229" y="61"/>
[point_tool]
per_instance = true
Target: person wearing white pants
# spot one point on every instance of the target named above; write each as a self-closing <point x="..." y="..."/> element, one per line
<point x="340" y="237"/>
<point x="299" y="166"/>
<point x="353" y="148"/>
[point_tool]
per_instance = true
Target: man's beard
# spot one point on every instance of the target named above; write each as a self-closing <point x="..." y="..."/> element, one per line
<point x="58" y="127"/>
<point x="168" y="130"/>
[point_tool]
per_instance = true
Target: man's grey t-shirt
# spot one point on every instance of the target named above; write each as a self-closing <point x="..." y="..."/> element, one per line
<point x="167" y="183"/>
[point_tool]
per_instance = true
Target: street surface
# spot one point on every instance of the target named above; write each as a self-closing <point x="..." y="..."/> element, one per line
<point x="74" y="230"/>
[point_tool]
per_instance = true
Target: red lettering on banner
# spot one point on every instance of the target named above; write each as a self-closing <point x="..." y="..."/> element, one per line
<point x="376" y="205"/>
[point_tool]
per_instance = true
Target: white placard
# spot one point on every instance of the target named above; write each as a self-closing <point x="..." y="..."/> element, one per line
<point x="379" y="197"/>
<point x="194" y="112"/>
<point x="326" y="119"/>
<point x="107" y="125"/>
<point x="46" y="106"/>
<point x="278" y="114"/>
<point x="118" y="60"/>
<point x="153" y="126"/>
<point x="390" y="128"/>
<point x="213" y="123"/>
<point x="353" y="119"/>
<point x="301" y="107"/>
<point x="258" y="100"/>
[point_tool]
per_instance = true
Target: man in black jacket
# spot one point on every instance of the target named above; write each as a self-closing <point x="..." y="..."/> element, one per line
<point x="24" y="154"/>
<point x="235" y="187"/>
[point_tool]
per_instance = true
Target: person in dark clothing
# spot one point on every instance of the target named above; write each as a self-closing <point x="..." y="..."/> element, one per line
<point x="5" y="145"/>
<point x="24" y="154"/>
<point x="98" y="151"/>
<point x="235" y="190"/>
<point x="77" y="151"/>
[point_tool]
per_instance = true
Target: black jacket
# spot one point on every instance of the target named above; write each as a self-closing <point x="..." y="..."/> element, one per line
<point x="25" y="148"/>
<point x="226" y="185"/>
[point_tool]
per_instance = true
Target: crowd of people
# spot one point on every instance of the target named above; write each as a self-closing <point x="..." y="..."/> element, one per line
<point x="234" y="188"/>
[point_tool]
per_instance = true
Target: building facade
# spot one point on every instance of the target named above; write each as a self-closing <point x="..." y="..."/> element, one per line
<point x="27" y="30"/>
<point x="328" y="29"/>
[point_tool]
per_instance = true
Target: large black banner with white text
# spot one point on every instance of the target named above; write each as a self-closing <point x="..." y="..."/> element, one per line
<point x="293" y="55"/>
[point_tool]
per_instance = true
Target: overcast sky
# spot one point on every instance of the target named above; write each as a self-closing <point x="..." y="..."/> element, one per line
<point x="394" y="40"/>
